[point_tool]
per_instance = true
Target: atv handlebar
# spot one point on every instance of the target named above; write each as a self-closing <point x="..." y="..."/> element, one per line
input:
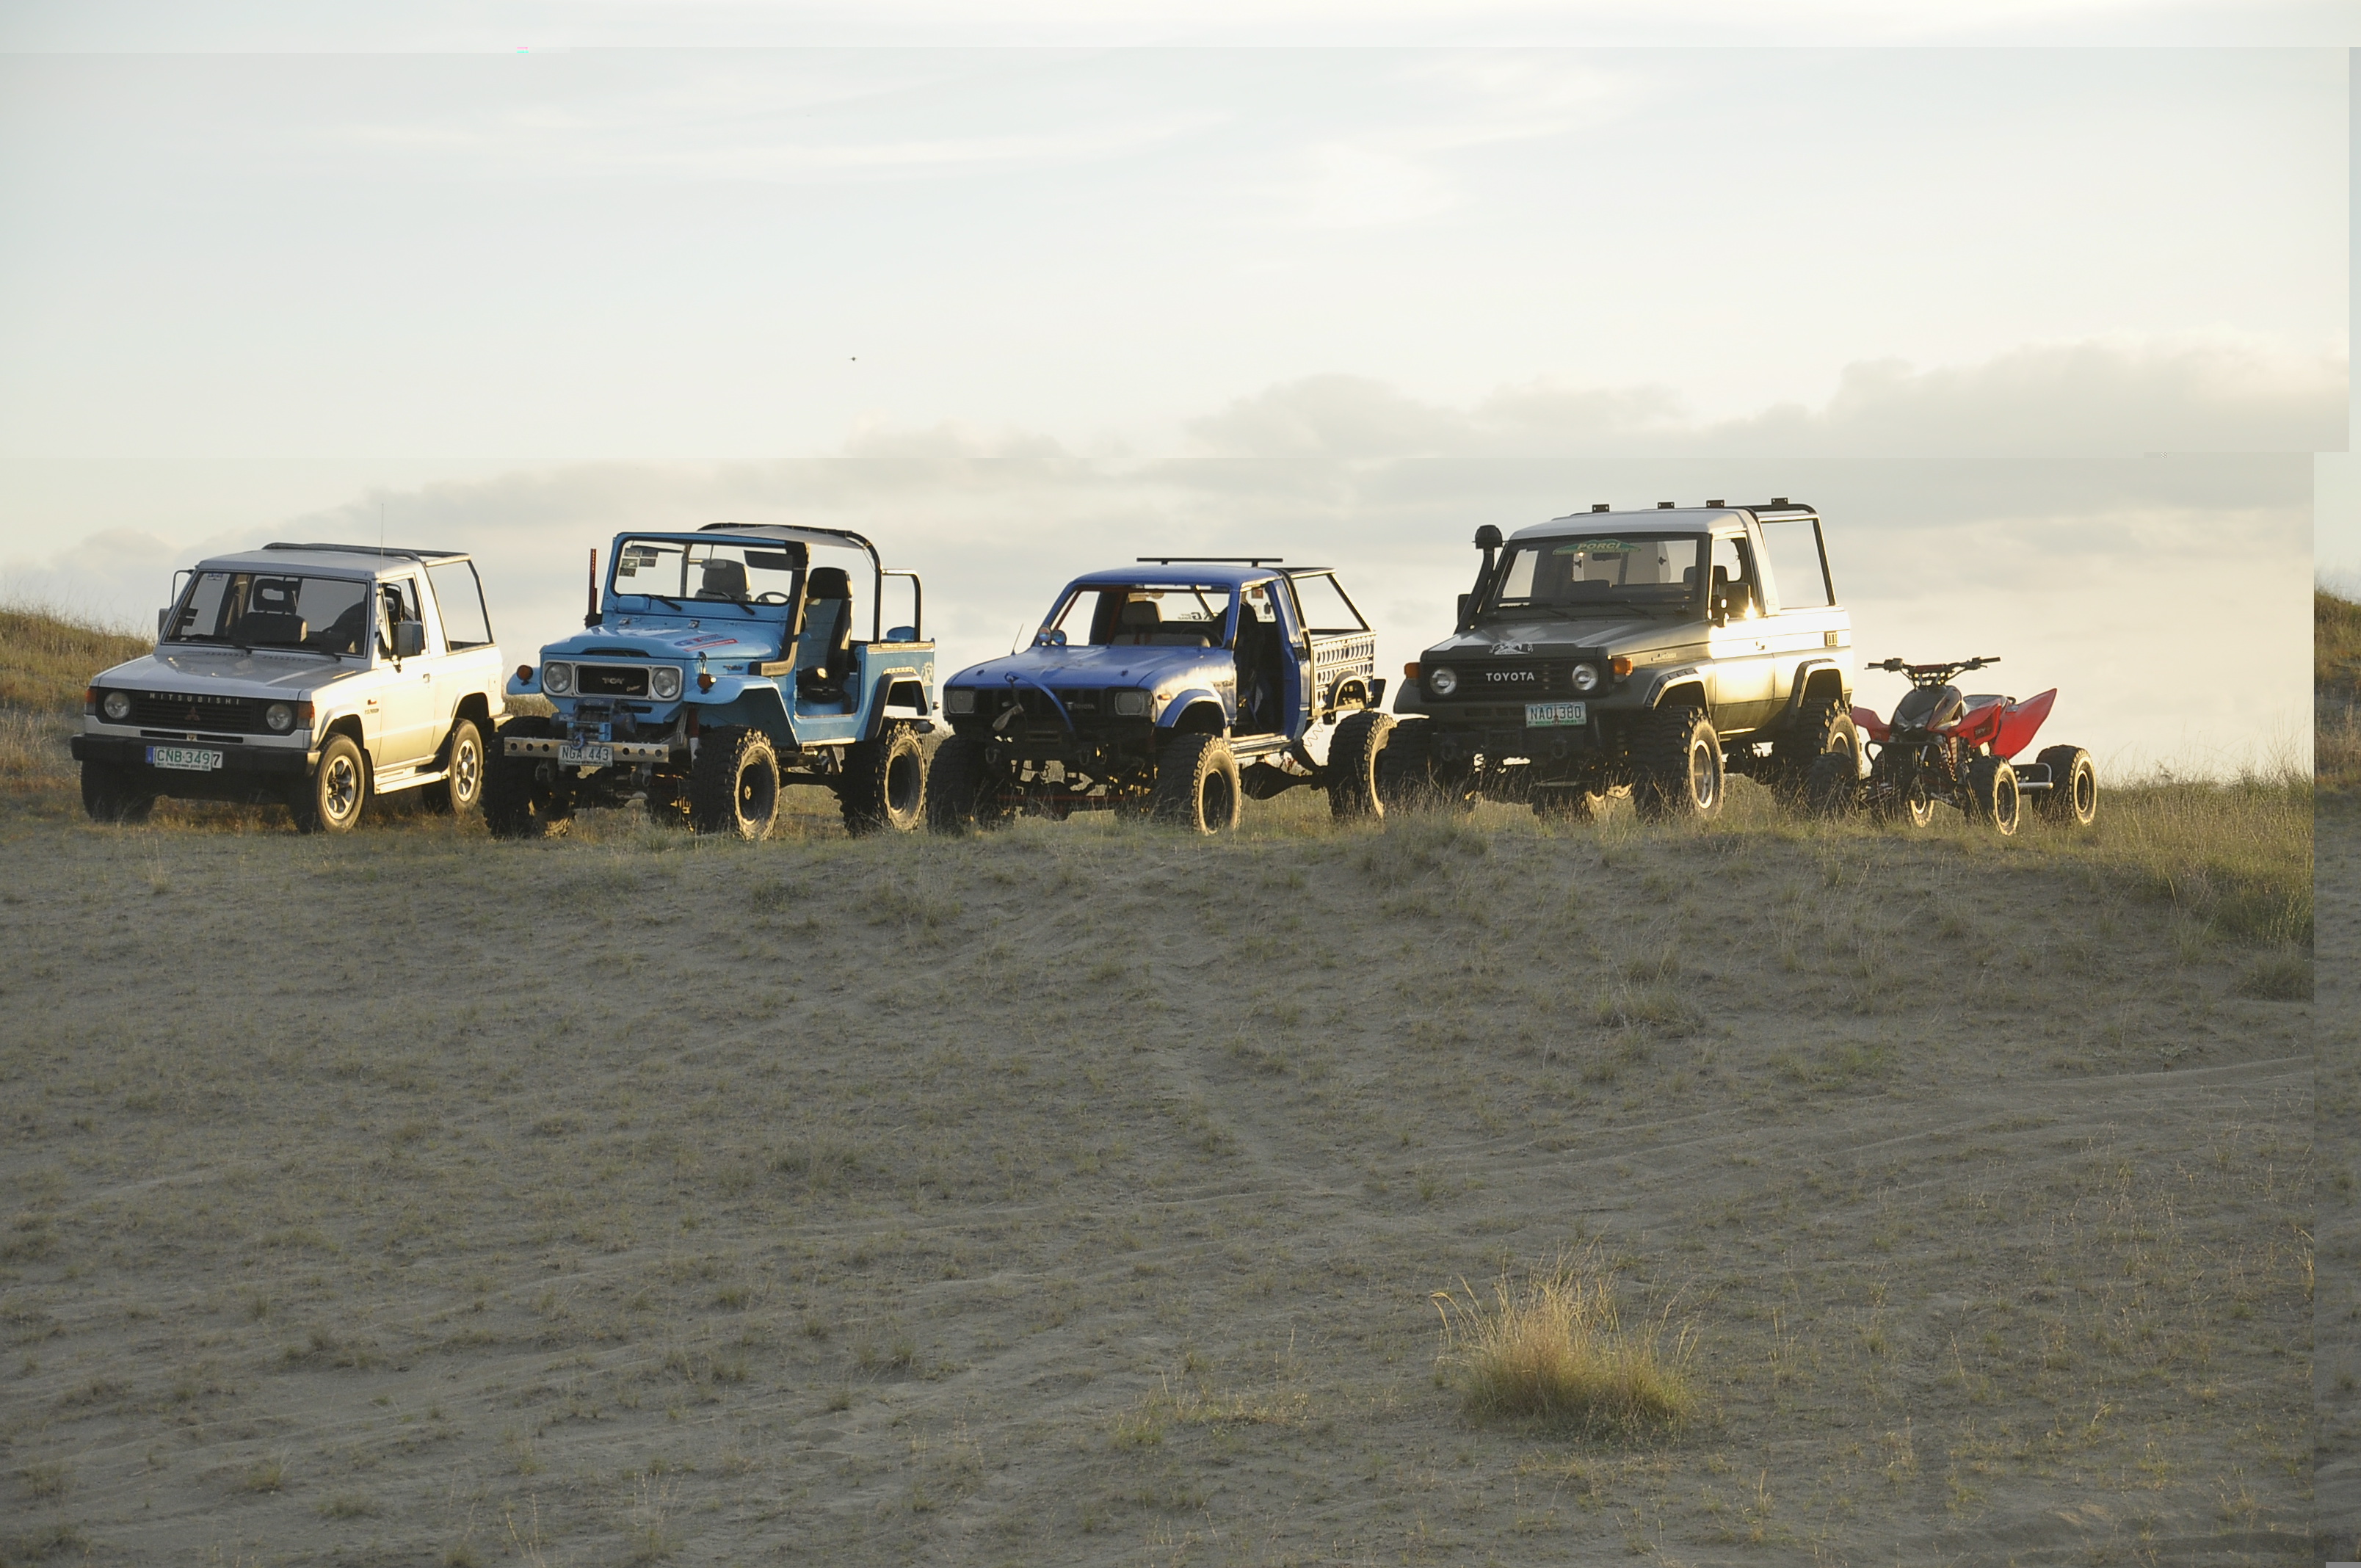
<point x="1935" y="674"/>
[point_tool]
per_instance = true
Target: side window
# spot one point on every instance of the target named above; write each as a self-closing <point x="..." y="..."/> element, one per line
<point x="1733" y="575"/>
<point x="460" y="596"/>
<point x="1325" y="607"/>
<point x="397" y="601"/>
<point x="1799" y="579"/>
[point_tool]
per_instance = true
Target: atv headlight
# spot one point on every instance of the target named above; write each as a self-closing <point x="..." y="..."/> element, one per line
<point x="1442" y="680"/>
<point x="959" y="699"/>
<point x="1585" y="677"/>
<point x="557" y="680"/>
<point x="116" y="706"/>
<point x="279" y="716"/>
<point x="1134" y="704"/>
<point x="663" y="682"/>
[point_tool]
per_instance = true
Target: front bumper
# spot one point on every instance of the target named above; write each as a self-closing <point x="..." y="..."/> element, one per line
<point x="248" y="764"/>
<point x="622" y="751"/>
<point x="1501" y="733"/>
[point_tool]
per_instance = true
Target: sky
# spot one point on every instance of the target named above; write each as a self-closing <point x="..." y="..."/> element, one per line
<point x="2057" y="336"/>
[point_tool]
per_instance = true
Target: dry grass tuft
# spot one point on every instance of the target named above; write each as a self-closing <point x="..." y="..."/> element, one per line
<point x="2336" y="691"/>
<point x="2235" y="853"/>
<point x="1551" y="1349"/>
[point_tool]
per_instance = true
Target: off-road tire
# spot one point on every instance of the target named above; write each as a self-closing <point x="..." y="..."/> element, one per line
<point x="1993" y="799"/>
<point x="332" y="798"/>
<point x="1408" y="777"/>
<point x="1197" y="785"/>
<point x="517" y="803"/>
<point x="2072" y="796"/>
<point x="1897" y="794"/>
<point x="884" y="787"/>
<point x="1833" y="785"/>
<point x="733" y="785"/>
<point x="110" y="792"/>
<point x="1354" y="752"/>
<point x="963" y="793"/>
<point x="1676" y="766"/>
<point x="1824" y="724"/>
<point x="461" y="793"/>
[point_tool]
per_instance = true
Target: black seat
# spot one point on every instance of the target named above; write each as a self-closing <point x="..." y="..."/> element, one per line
<point x="1256" y="650"/>
<point x="823" y="649"/>
<point x="725" y="579"/>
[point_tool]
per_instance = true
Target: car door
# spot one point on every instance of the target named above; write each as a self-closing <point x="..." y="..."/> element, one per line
<point x="407" y="731"/>
<point x="1741" y="646"/>
<point x="1807" y="625"/>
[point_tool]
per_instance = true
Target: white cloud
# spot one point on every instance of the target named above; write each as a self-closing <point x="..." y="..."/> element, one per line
<point x="2081" y="400"/>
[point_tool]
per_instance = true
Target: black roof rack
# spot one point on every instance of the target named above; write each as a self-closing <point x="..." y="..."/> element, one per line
<point x="385" y="550"/>
<point x="1209" y="560"/>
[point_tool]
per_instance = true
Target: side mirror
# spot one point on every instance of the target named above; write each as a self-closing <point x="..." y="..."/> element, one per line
<point x="1465" y="601"/>
<point x="162" y="618"/>
<point x="901" y="634"/>
<point x="1720" y="612"/>
<point x="409" y="638"/>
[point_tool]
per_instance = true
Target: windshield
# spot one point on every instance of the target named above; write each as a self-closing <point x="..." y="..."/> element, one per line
<point x="266" y="609"/>
<point x="1131" y="614"/>
<point x="1599" y="573"/>
<point x="677" y="573"/>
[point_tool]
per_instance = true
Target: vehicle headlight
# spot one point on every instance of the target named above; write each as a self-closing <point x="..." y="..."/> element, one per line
<point x="1134" y="704"/>
<point x="1442" y="680"/>
<point x="557" y="680"/>
<point x="663" y="682"/>
<point x="1585" y="677"/>
<point x="959" y="699"/>
<point x="116" y="706"/>
<point x="279" y="716"/>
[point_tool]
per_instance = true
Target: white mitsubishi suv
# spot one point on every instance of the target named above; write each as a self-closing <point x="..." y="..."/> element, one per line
<point x="314" y="675"/>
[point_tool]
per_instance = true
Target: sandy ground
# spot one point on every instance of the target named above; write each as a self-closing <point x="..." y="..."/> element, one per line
<point x="2337" y="1300"/>
<point x="1077" y="1195"/>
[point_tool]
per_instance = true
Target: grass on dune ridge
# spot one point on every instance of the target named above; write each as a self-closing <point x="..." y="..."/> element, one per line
<point x="2234" y="854"/>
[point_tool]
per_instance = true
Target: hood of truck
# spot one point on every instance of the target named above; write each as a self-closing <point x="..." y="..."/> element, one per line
<point x="228" y="672"/>
<point x="1164" y="670"/>
<point x="1555" y="636"/>
<point x="722" y="643"/>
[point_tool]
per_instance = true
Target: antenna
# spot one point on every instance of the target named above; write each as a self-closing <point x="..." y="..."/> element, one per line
<point x="591" y="616"/>
<point x="380" y="525"/>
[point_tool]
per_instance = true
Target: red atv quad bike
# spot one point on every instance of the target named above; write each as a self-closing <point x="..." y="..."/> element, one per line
<point x="1958" y="749"/>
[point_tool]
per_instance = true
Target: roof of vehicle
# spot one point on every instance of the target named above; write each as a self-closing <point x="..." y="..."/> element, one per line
<point x="1666" y="520"/>
<point x="1179" y="572"/>
<point x="840" y="536"/>
<point x="329" y="560"/>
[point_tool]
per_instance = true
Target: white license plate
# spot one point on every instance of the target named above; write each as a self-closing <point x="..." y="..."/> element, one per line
<point x="588" y="752"/>
<point x="191" y="759"/>
<point x="1548" y="715"/>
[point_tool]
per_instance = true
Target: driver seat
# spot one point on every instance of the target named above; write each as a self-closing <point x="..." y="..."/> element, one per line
<point x="724" y="579"/>
<point x="823" y="650"/>
<point x="1138" y="622"/>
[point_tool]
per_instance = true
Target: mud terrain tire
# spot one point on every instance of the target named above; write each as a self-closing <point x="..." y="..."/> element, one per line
<point x="517" y="804"/>
<point x="1994" y="800"/>
<point x="962" y="792"/>
<point x="1824" y="725"/>
<point x="733" y="785"/>
<point x="110" y="795"/>
<point x="1197" y="785"/>
<point x="2072" y="796"/>
<point x="1832" y="786"/>
<point x="1408" y="777"/>
<point x="1676" y="766"/>
<point x="1355" y="753"/>
<point x="884" y="787"/>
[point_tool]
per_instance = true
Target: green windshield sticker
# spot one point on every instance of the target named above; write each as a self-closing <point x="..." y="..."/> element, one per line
<point x="1594" y="547"/>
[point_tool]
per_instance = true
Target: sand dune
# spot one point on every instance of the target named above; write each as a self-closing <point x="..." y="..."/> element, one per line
<point x="1076" y="1195"/>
